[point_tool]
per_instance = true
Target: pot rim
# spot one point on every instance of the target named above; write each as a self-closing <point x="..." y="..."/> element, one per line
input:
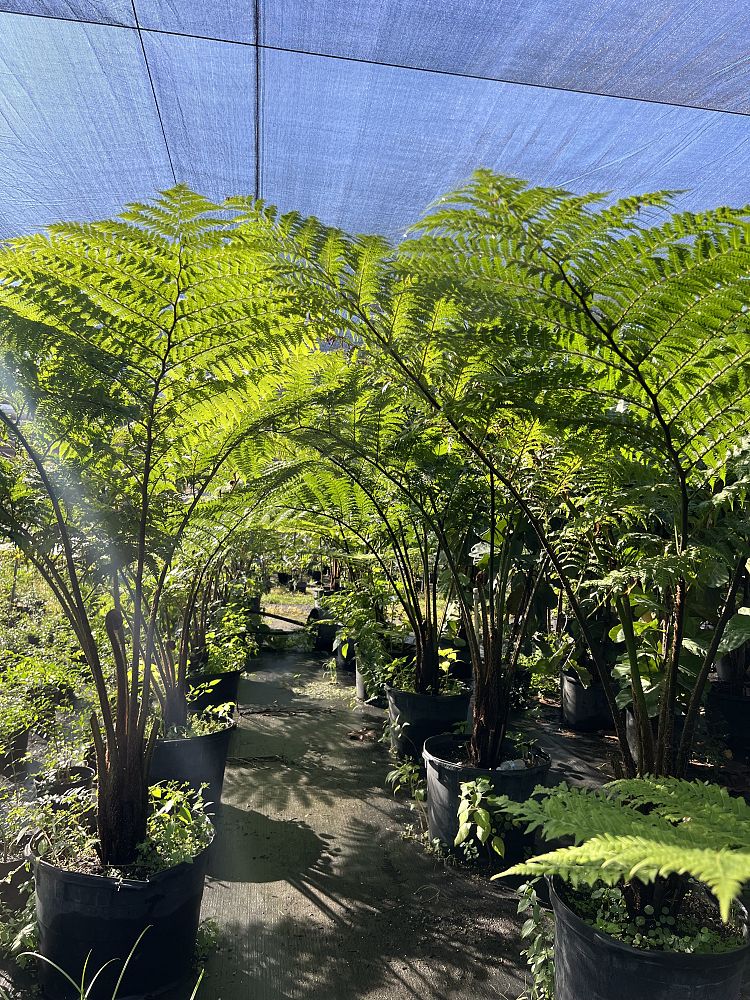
<point x="544" y="763"/>
<point x="211" y="674"/>
<point x="87" y="878"/>
<point x="689" y="958"/>
<point x="203" y="736"/>
<point x="76" y="772"/>
<point x="414" y="694"/>
<point x="12" y="865"/>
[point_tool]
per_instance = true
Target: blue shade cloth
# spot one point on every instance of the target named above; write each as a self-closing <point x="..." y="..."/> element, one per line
<point x="206" y="93"/>
<point x="79" y="133"/>
<point x="230" y="20"/>
<point x="99" y="11"/>
<point x="693" y="52"/>
<point x="368" y="147"/>
<point x="95" y="115"/>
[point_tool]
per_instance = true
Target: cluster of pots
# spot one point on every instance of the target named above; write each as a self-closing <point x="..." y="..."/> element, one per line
<point x="103" y="916"/>
<point x="588" y="963"/>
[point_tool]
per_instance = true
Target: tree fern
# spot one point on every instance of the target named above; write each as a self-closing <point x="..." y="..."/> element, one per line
<point x="141" y="353"/>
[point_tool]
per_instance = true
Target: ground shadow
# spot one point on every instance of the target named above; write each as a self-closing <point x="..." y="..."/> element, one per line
<point x="250" y="847"/>
<point x="385" y="926"/>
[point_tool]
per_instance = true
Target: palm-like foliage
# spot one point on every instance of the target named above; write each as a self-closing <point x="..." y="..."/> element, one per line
<point x="619" y="325"/>
<point x="141" y="353"/>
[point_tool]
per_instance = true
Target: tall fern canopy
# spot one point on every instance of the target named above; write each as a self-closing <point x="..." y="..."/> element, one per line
<point x="636" y="316"/>
<point x="140" y="354"/>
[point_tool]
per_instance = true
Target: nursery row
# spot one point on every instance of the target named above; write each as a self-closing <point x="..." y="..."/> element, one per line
<point x="508" y="455"/>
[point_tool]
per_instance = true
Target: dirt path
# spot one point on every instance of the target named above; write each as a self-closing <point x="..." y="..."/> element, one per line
<point x="315" y="890"/>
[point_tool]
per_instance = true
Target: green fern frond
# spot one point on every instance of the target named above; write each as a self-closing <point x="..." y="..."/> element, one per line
<point x="641" y="829"/>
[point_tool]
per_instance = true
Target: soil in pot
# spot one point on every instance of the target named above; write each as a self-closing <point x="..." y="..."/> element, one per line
<point x="79" y="913"/>
<point x="414" y="718"/>
<point x="196" y="761"/>
<point x="12" y="757"/>
<point x="217" y="689"/>
<point x="446" y="767"/>
<point x="593" y="965"/>
<point x="584" y="709"/>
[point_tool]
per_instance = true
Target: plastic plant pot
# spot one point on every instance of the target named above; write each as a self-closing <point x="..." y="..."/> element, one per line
<point x="415" y="718"/>
<point x="593" y="965"/>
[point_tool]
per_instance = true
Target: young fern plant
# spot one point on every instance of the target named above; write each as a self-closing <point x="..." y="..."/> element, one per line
<point x="648" y="835"/>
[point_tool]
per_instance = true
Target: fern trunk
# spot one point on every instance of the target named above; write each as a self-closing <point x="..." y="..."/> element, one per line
<point x="427" y="668"/>
<point x="122" y="807"/>
<point x="489" y="720"/>
<point x="175" y="708"/>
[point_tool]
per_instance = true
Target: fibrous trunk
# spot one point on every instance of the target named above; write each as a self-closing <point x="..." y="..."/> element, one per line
<point x="122" y="807"/>
<point x="428" y="661"/>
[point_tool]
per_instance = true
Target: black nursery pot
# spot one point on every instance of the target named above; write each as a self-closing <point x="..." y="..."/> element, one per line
<point x="584" y="709"/>
<point x="325" y="636"/>
<point x="631" y="733"/>
<point x="734" y="709"/>
<point x="196" y="761"/>
<point x="325" y="630"/>
<point x="284" y="578"/>
<point x="591" y="964"/>
<point x="346" y="664"/>
<point x="445" y="776"/>
<point x="12" y="757"/>
<point x="224" y="687"/>
<point x="66" y="780"/>
<point x="416" y="717"/>
<point x="78" y="914"/>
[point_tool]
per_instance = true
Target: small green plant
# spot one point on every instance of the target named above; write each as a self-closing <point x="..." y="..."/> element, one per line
<point x="18" y="930"/>
<point x="538" y="933"/>
<point x="178" y="828"/>
<point x="606" y="907"/>
<point x="212" y="719"/>
<point x="664" y="844"/>
<point x="209" y="936"/>
<point x="480" y="819"/>
<point x="17" y="715"/>
<point x="62" y="830"/>
<point x="359" y="612"/>
<point x="408" y="776"/>
<point x="231" y="640"/>
<point x="83" y="988"/>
